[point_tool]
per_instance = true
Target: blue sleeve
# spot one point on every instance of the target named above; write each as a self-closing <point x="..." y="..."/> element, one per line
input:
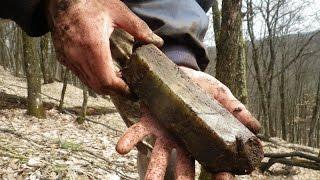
<point x="181" y="23"/>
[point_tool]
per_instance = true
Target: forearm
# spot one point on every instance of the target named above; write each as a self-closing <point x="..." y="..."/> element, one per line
<point x="181" y="23"/>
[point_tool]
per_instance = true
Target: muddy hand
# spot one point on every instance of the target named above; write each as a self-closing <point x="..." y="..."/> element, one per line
<point x="184" y="165"/>
<point x="161" y="151"/>
<point x="165" y="143"/>
<point x="223" y="95"/>
<point x="81" y="30"/>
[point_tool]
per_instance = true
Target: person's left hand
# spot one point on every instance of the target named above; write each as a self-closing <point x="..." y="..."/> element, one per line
<point x="81" y="30"/>
<point x="165" y="143"/>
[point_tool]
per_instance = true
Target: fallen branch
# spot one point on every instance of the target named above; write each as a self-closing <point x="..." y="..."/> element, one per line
<point x="294" y="147"/>
<point x="293" y="154"/>
<point x="21" y="136"/>
<point x="291" y="162"/>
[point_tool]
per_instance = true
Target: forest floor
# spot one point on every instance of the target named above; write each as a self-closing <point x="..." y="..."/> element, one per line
<point x="59" y="148"/>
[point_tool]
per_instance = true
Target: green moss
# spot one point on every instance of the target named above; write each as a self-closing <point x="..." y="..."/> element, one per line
<point x="23" y="160"/>
<point x="60" y="168"/>
<point x="69" y="145"/>
<point x="80" y="120"/>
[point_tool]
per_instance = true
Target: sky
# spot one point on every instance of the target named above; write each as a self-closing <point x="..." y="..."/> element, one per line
<point x="309" y="21"/>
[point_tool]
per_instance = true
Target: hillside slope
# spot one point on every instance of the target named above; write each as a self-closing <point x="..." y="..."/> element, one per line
<point x="59" y="148"/>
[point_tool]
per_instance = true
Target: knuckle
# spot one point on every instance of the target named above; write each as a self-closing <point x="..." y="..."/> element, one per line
<point x="106" y="85"/>
<point x="225" y="90"/>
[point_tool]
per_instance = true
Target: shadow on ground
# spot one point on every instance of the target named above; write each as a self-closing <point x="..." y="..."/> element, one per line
<point x="9" y="101"/>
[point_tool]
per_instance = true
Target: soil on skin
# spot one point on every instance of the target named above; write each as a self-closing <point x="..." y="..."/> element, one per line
<point x="59" y="148"/>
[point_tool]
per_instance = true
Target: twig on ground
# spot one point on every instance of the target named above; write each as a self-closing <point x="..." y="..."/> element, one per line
<point x="294" y="147"/>
<point x="96" y="122"/>
<point x="291" y="162"/>
<point x="293" y="154"/>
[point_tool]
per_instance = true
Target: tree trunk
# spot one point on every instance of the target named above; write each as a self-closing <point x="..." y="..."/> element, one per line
<point x="81" y="119"/>
<point x="271" y="21"/>
<point x="5" y="55"/>
<point x="255" y="59"/>
<point x="315" y="115"/>
<point x="282" y="102"/>
<point x="17" y="53"/>
<point x="270" y="73"/>
<point x="231" y="59"/>
<point x="228" y="45"/>
<point x="32" y="67"/>
<point x="241" y="92"/>
<point x="64" y="88"/>
<point x="44" y="51"/>
<point x="318" y="134"/>
<point x="216" y="15"/>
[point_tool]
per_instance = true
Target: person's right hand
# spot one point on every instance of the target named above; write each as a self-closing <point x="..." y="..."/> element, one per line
<point x="81" y="30"/>
<point x="165" y="142"/>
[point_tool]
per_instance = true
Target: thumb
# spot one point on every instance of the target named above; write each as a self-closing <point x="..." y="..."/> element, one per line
<point x="125" y="19"/>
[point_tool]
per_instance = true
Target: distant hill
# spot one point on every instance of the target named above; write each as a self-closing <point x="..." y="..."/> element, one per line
<point x="292" y="42"/>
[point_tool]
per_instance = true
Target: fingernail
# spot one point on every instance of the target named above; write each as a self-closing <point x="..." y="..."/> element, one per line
<point x="158" y="41"/>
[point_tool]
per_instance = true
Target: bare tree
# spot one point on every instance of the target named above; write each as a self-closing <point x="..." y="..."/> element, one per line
<point x="257" y="68"/>
<point x="32" y="66"/>
<point x="45" y="57"/>
<point x="228" y="42"/>
<point x="315" y="116"/>
<point x="64" y="89"/>
<point x="82" y="117"/>
<point x="231" y="59"/>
